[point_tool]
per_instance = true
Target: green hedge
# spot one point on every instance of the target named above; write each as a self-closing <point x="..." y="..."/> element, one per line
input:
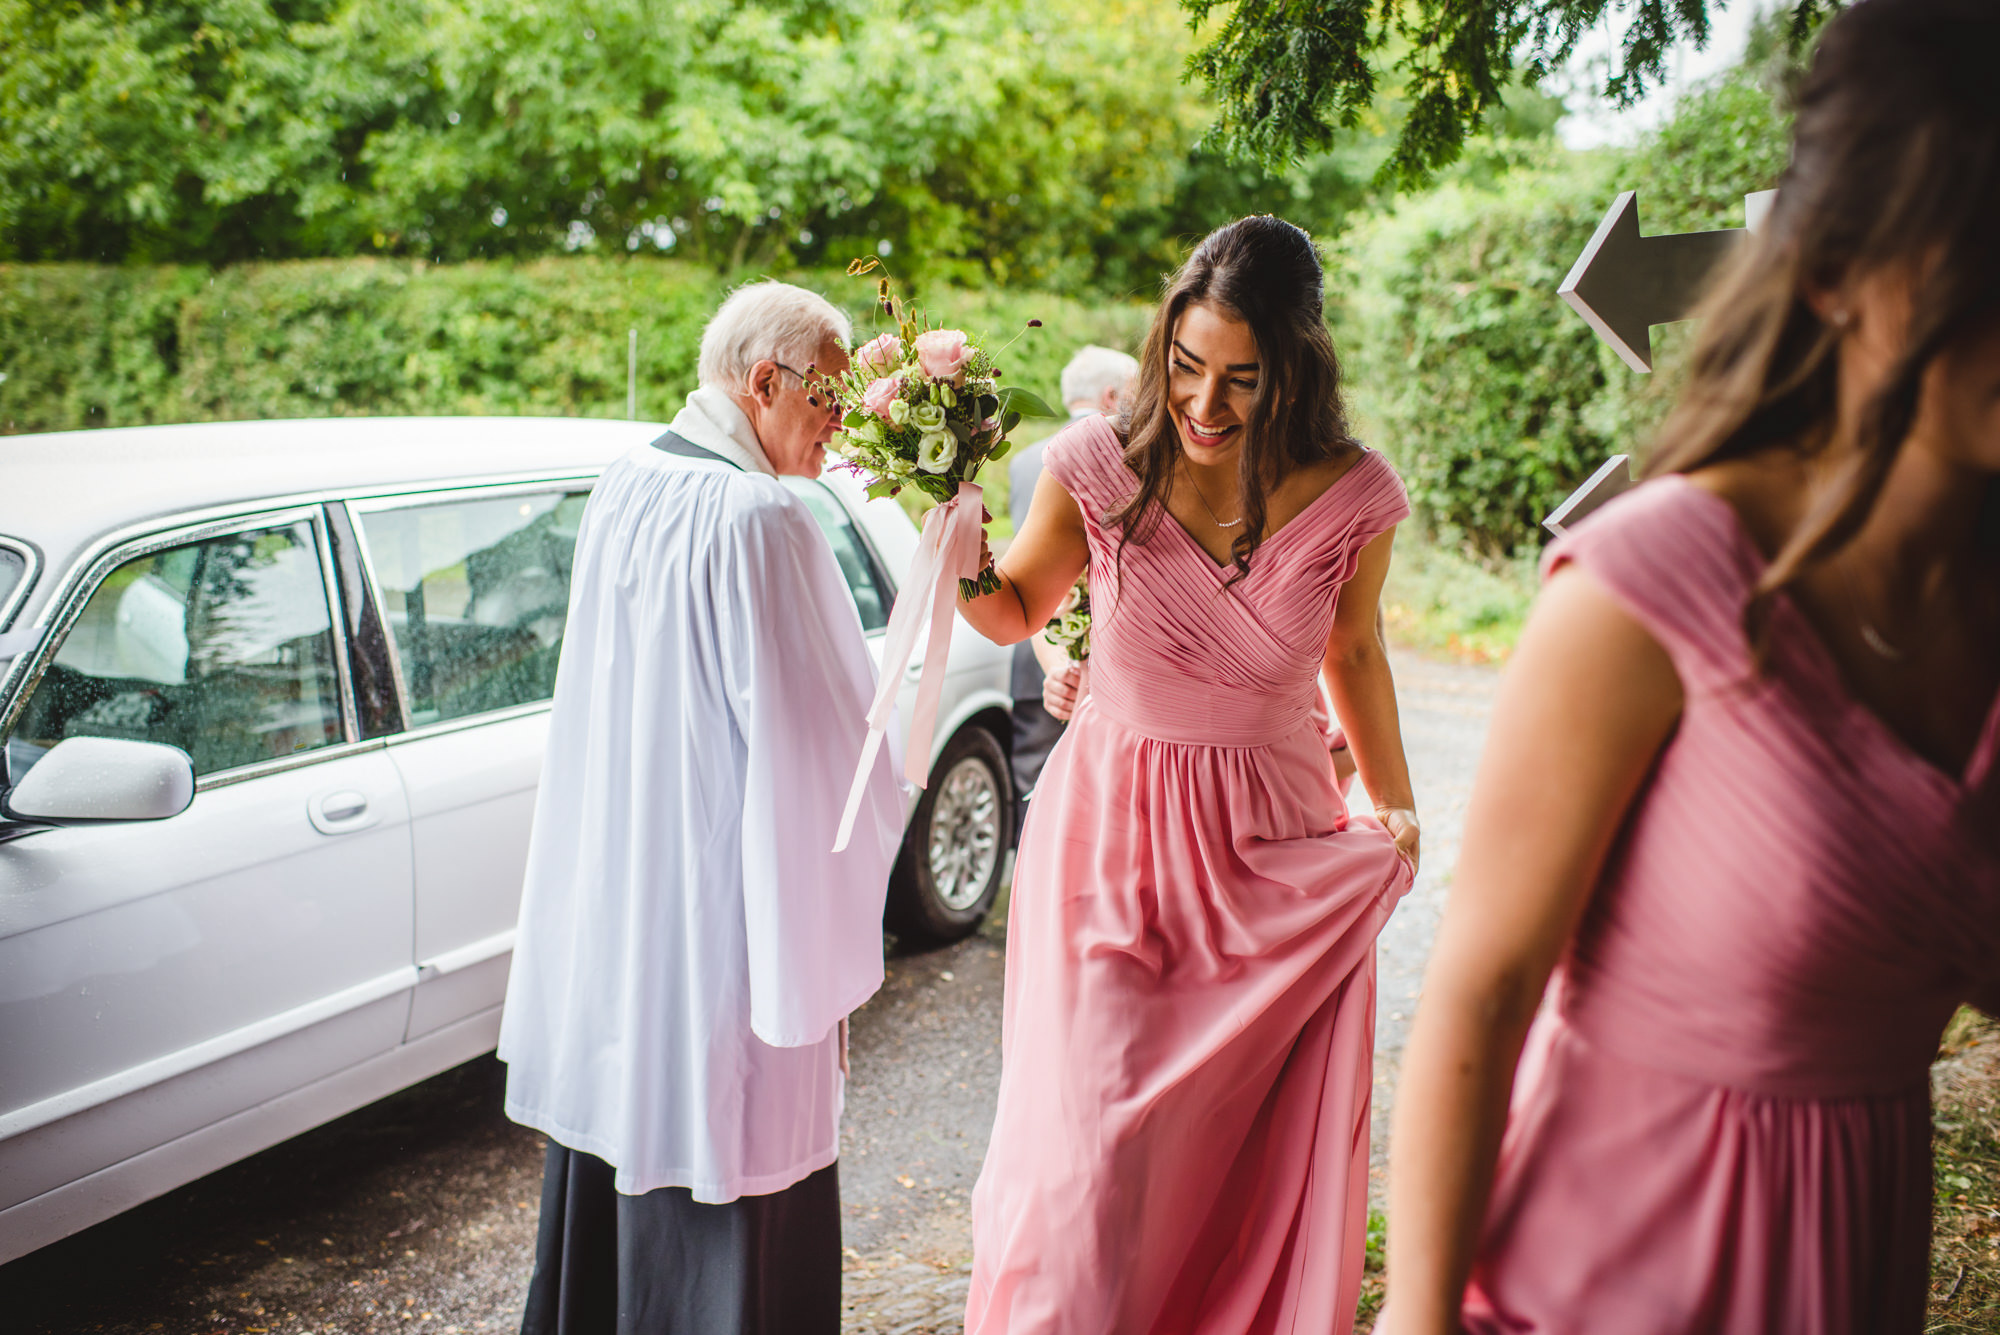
<point x="1492" y="396"/>
<point x="1485" y="389"/>
<point x="88" y="345"/>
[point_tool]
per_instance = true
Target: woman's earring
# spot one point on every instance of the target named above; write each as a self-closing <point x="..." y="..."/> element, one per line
<point x="1842" y="318"/>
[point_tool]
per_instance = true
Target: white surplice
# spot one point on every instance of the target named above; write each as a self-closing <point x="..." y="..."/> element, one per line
<point x="688" y="944"/>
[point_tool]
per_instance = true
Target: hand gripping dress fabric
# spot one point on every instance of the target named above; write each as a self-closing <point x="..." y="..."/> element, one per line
<point x="1721" y="1121"/>
<point x="1182" y="1135"/>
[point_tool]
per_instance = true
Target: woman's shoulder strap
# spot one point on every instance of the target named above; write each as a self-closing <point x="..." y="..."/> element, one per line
<point x="1677" y="558"/>
<point x="1379" y="500"/>
<point x="1089" y="460"/>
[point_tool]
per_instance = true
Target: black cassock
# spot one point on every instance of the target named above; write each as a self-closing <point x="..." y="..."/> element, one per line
<point x="666" y="1264"/>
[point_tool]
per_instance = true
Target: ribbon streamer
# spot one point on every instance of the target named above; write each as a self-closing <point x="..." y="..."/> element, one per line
<point x="947" y="552"/>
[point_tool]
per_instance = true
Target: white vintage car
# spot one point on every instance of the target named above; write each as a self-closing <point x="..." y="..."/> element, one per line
<point x="273" y="699"/>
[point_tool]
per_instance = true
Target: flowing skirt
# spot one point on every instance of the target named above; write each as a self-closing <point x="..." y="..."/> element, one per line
<point x="1181" y="1143"/>
<point x="1638" y="1200"/>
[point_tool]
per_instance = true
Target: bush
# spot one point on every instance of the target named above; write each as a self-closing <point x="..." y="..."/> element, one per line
<point x="83" y="345"/>
<point x="1485" y="390"/>
<point x="88" y="345"/>
<point x="340" y="337"/>
<point x="1492" y="397"/>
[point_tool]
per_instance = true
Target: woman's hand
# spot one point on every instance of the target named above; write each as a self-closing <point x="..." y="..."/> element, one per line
<point x="1402" y="825"/>
<point x="1064" y="689"/>
<point x="1042" y="562"/>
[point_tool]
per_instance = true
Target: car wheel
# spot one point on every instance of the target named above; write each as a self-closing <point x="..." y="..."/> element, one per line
<point x="956" y="846"/>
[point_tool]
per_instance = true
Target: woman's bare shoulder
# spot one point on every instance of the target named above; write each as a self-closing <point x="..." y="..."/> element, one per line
<point x="1768" y="491"/>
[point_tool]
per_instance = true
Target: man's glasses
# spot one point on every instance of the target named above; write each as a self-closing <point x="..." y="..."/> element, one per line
<point x="809" y="381"/>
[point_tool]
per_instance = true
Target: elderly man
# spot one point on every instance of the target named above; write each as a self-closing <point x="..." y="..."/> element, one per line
<point x="689" y="948"/>
<point x="1095" y="381"/>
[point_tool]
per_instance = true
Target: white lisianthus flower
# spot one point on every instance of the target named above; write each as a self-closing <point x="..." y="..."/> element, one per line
<point x="929" y="417"/>
<point x="899" y="412"/>
<point x="936" y="450"/>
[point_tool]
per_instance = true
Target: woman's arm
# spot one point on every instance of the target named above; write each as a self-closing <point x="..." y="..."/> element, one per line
<point x="1364" y="694"/>
<point x="1587" y="703"/>
<point x="1041" y="564"/>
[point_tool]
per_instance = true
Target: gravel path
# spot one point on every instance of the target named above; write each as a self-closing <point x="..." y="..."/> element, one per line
<point x="418" y="1213"/>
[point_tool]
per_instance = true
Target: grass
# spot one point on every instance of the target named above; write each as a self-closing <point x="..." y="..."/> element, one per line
<point x="1441" y="602"/>
<point x="1374" y="1280"/>
<point x="1965" y="1239"/>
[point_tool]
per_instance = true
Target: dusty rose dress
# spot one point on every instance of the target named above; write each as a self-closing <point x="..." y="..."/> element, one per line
<point x="1722" y="1123"/>
<point x="1182" y="1138"/>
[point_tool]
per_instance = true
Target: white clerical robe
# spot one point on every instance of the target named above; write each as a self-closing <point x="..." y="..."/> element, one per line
<point x="688" y="944"/>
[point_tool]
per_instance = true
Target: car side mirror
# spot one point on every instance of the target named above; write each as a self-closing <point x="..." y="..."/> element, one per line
<point x="87" y="779"/>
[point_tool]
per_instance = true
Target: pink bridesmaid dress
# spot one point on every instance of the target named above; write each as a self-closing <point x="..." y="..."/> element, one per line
<point x="1721" y="1121"/>
<point x="1181" y="1143"/>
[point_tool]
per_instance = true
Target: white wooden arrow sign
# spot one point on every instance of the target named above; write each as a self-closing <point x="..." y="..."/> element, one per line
<point x="1611" y="479"/>
<point x="1624" y="283"/>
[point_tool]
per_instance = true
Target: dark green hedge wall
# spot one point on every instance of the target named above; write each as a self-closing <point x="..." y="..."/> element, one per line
<point x="88" y="346"/>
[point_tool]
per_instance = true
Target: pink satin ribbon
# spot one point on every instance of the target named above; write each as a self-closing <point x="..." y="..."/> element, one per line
<point x="947" y="552"/>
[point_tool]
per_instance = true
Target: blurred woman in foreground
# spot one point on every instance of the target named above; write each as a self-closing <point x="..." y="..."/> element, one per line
<point x="1762" y="853"/>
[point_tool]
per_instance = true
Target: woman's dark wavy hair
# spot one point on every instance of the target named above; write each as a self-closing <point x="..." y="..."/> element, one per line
<point x="1895" y="169"/>
<point x="1266" y="273"/>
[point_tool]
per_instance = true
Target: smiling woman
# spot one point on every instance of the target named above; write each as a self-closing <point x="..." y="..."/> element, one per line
<point x="1239" y="387"/>
<point x="1191" y="935"/>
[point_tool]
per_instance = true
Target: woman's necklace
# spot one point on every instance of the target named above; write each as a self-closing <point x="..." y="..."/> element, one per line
<point x="1877" y="642"/>
<point x="1213" y="517"/>
<point x="1873" y="639"/>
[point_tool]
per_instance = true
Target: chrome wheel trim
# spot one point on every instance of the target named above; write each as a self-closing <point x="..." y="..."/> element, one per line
<point x="964" y="833"/>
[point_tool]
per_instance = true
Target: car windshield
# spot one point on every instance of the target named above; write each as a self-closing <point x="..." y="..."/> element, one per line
<point x="13" y="569"/>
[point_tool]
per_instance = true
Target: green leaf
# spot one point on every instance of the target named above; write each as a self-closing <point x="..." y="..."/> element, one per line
<point x="854" y="420"/>
<point x="1022" y="403"/>
<point x="1001" y="450"/>
<point x="1008" y="421"/>
<point x="877" y="490"/>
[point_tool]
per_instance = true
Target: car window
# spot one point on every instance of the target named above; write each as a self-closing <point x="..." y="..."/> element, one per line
<point x="223" y="648"/>
<point x="477" y="594"/>
<point x="13" y="568"/>
<point x="864" y="580"/>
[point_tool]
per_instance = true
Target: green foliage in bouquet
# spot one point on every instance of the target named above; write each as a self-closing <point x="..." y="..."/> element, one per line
<point x="1069" y="631"/>
<point x="925" y="409"/>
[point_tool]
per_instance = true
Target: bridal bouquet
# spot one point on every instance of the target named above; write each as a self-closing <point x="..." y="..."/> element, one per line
<point x="1070" y="629"/>
<point x="924" y="408"/>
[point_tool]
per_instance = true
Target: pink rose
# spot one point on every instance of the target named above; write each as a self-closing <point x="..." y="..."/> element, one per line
<point x="879" y="355"/>
<point x="943" y="354"/>
<point x="880" y="394"/>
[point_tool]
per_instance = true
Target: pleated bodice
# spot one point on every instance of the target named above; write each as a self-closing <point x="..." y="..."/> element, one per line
<point x="1181" y="654"/>
<point x="1800" y="901"/>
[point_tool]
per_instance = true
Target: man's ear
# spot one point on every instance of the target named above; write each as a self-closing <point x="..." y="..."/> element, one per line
<point x="764" y="382"/>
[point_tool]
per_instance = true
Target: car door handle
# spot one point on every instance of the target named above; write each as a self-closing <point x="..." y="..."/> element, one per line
<point x="339" y="812"/>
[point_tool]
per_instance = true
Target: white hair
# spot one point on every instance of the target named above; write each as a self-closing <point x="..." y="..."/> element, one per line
<point x="1094" y="370"/>
<point x="767" y="321"/>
